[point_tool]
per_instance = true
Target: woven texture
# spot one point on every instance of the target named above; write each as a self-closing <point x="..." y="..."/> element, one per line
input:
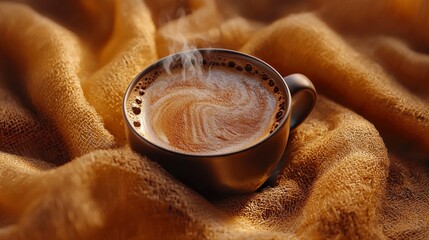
<point x="358" y="168"/>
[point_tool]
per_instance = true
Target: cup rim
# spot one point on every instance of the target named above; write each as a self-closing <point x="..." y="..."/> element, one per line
<point x="160" y="61"/>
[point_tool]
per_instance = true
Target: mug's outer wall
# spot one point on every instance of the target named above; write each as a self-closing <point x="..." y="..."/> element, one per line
<point x="234" y="173"/>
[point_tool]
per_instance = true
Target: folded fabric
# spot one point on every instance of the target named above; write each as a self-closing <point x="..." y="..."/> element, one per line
<point x="357" y="168"/>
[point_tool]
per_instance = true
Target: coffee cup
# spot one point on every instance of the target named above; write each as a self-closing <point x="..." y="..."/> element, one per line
<point x="216" y="119"/>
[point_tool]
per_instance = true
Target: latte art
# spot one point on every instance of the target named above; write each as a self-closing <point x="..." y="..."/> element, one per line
<point x="214" y="112"/>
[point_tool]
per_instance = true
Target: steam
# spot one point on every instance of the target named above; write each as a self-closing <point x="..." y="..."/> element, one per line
<point x="179" y="37"/>
<point x="190" y="62"/>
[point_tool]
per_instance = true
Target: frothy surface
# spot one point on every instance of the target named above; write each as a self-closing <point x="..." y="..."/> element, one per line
<point x="212" y="112"/>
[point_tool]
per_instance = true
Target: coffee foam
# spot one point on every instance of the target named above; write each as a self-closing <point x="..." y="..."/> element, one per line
<point x="213" y="112"/>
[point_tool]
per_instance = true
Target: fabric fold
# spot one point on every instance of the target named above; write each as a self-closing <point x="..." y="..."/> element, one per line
<point x="51" y="63"/>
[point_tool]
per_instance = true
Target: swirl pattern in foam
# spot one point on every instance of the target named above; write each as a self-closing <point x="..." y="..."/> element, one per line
<point x="212" y="112"/>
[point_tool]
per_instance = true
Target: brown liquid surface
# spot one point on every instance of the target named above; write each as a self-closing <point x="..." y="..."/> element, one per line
<point x="214" y="112"/>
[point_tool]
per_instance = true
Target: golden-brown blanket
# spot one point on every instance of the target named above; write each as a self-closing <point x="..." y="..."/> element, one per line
<point x="358" y="168"/>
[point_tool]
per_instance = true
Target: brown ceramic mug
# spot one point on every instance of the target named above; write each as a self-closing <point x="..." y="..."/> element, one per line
<point x="216" y="119"/>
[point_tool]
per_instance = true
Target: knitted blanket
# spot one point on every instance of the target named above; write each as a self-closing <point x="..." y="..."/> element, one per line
<point x="357" y="168"/>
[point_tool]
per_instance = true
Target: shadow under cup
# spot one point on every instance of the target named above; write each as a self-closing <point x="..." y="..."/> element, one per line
<point x="236" y="171"/>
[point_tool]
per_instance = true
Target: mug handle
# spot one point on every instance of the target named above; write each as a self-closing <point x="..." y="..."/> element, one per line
<point x="304" y="98"/>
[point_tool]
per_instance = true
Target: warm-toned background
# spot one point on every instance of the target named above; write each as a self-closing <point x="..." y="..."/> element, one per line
<point x="358" y="168"/>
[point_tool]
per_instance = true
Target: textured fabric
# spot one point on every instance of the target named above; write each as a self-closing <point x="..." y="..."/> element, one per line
<point x="358" y="168"/>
